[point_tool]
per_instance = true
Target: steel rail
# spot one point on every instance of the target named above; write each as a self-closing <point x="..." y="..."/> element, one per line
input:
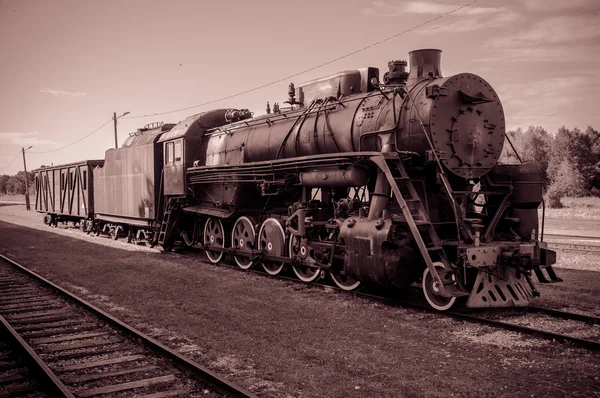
<point x="584" y="343"/>
<point x="576" y="341"/>
<point x="220" y="384"/>
<point x="583" y="248"/>
<point x="44" y="374"/>
<point x="594" y="320"/>
<point x="573" y="236"/>
<point x="586" y="247"/>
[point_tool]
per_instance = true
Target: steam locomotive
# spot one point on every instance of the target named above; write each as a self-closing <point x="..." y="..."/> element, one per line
<point x="391" y="183"/>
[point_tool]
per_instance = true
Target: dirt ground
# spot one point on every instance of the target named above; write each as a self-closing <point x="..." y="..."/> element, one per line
<point x="281" y="339"/>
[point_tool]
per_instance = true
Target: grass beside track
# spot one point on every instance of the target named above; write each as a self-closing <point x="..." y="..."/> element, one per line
<point x="280" y="339"/>
<point x="579" y="291"/>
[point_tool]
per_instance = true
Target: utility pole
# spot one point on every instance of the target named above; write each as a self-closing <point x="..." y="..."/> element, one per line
<point x="115" y="121"/>
<point x="27" y="206"/>
<point x="115" y="117"/>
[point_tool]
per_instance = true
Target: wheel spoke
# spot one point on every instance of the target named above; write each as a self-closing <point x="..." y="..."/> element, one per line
<point x="431" y="291"/>
<point x="213" y="235"/>
<point x="343" y="281"/>
<point x="272" y="242"/>
<point x="303" y="272"/>
<point x="242" y="238"/>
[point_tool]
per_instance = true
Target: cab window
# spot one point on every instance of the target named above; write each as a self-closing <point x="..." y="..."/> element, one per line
<point x="178" y="152"/>
<point x="169" y="153"/>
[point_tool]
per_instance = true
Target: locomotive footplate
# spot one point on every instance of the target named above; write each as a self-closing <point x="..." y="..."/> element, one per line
<point x="523" y="255"/>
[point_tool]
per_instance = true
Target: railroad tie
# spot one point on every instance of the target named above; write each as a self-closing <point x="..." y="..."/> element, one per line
<point x="59" y="339"/>
<point x="104" y="362"/>
<point x="57" y="330"/>
<point x="74" y="346"/>
<point x="33" y="326"/>
<point x="126" y="386"/>
<point x="102" y="375"/>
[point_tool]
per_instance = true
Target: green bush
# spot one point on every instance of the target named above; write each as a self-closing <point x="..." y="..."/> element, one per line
<point x="566" y="180"/>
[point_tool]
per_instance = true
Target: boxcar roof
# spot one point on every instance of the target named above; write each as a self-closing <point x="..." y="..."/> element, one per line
<point x="92" y="162"/>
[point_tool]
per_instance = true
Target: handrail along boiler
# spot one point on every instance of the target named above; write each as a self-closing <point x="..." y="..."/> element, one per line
<point x="391" y="183"/>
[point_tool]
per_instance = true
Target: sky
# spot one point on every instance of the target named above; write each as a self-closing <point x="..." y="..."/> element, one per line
<point x="67" y="65"/>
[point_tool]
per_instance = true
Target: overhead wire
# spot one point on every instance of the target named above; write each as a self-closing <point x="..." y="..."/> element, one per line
<point x="75" y="142"/>
<point x="11" y="162"/>
<point x="311" y="68"/>
<point x="267" y="84"/>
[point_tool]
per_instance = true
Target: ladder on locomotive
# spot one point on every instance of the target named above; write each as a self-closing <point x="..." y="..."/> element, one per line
<point x="164" y="228"/>
<point x="421" y="227"/>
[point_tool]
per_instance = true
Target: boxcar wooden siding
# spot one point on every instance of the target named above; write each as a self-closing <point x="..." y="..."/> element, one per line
<point x="65" y="189"/>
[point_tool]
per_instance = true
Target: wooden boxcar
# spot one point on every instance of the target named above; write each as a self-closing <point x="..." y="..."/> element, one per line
<point x="66" y="192"/>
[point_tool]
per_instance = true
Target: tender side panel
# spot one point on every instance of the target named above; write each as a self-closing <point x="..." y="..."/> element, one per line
<point x="126" y="186"/>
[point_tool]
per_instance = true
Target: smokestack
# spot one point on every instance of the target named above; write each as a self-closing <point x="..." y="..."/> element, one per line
<point x="422" y="62"/>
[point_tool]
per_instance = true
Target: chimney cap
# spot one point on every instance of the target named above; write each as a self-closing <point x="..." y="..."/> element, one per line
<point x="425" y="61"/>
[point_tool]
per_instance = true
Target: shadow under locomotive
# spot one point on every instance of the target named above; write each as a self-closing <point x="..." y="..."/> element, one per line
<point x="389" y="183"/>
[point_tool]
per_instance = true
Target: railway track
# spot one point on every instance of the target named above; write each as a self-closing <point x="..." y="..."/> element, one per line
<point x="574" y="247"/>
<point x="520" y="321"/>
<point x="513" y="319"/>
<point x="83" y="351"/>
<point x="592" y="247"/>
<point x="577" y="237"/>
<point x="21" y="371"/>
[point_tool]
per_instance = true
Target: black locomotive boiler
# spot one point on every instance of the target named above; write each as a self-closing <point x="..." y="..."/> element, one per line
<point x="390" y="182"/>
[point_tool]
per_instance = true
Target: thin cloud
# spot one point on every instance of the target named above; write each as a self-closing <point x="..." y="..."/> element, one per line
<point x="560" y="6"/>
<point x="61" y="93"/>
<point x="555" y="38"/>
<point x="26" y="139"/>
<point x="473" y="18"/>
<point x="564" y="53"/>
<point x="383" y="9"/>
<point x="502" y="18"/>
<point x="552" y="30"/>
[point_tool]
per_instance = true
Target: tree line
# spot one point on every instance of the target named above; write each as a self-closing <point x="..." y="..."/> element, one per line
<point x="15" y="185"/>
<point x="570" y="159"/>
